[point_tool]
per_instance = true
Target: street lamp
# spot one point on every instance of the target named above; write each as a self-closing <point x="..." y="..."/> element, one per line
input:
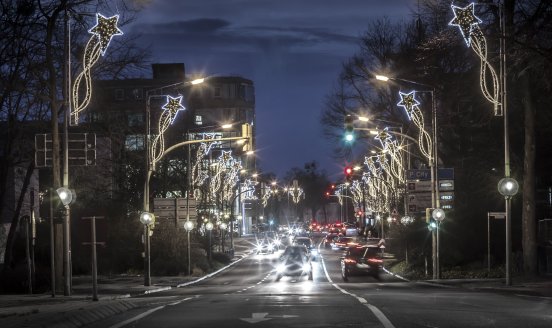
<point x="508" y="187"/>
<point x="188" y="226"/>
<point x="409" y="102"/>
<point x="209" y="226"/>
<point x="148" y="220"/>
<point x="171" y="109"/>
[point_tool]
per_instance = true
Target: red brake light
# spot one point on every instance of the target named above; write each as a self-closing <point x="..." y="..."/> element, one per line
<point x="350" y="261"/>
<point x="375" y="260"/>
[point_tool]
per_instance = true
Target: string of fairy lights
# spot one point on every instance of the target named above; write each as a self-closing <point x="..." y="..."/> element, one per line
<point x="468" y="23"/>
<point x="102" y="33"/>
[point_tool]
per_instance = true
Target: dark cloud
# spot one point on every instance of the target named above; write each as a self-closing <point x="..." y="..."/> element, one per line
<point x="199" y="26"/>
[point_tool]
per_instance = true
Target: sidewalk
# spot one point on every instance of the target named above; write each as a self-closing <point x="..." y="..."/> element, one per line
<point x="114" y="296"/>
<point x="539" y="286"/>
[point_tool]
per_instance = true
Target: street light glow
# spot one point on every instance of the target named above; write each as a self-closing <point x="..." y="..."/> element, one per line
<point x="197" y="81"/>
<point x="363" y="119"/>
<point x="227" y="126"/>
<point x="349" y="137"/>
<point x="382" y="78"/>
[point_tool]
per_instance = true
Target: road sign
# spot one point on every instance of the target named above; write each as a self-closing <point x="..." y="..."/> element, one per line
<point x="81" y="149"/>
<point x="174" y="208"/>
<point x="425" y="174"/>
<point x="418" y="202"/>
<point x="419" y="186"/>
<point x="496" y="215"/>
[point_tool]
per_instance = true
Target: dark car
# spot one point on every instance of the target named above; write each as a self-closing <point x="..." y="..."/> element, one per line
<point x="361" y="260"/>
<point x="295" y="261"/>
<point x="329" y="239"/>
<point x="308" y="243"/>
<point x="343" y="242"/>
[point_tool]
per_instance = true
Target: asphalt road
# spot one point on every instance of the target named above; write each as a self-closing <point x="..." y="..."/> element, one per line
<point x="248" y="295"/>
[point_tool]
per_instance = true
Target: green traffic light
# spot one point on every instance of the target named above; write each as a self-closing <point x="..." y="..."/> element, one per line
<point x="349" y="137"/>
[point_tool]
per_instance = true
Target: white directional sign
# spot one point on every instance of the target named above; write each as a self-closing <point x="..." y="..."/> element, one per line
<point x="263" y="316"/>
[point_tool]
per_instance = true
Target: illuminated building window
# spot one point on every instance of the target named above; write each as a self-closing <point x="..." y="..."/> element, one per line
<point x="134" y="142"/>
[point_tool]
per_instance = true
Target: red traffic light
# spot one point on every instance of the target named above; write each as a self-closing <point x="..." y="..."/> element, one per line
<point x="348" y="171"/>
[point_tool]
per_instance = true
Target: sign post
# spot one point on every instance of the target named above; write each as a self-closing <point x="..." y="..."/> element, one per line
<point x="494" y="215"/>
<point x="94" y="258"/>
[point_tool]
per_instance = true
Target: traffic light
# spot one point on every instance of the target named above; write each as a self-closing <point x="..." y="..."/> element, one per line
<point x="247" y="132"/>
<point x="349" y="133"/>
<point x="431" y="223"/>
<point x="348" y="173"/>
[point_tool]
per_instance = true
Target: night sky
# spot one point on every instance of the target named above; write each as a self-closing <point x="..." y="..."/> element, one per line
<point x="292" y="50"/>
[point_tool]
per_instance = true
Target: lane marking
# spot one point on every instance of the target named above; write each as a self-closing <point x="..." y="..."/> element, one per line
<point x="138" y="317"/>
<point x="148" y="312"/>
<point x="377" y="312"/>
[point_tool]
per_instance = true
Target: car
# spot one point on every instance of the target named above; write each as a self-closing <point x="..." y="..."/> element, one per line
<point x="308" y="243"/>
<point x="295" y="261"/>
<point x="265" y="246"/>
<point x="361" y="260"/>
<point x="329" y="239"/>
<point x="343" y="242"/>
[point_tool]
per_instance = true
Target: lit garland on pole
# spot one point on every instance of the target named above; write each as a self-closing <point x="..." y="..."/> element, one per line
<point x="102" y="33"/>
<point x="356" y="191"/>
<point x="248" y="190"/>
<point x="199" y="175"/>
<point x="171" y="109"/>
<point x="392" y="148"/>
<point x="410" y="105"/>
<point x="467" y="22"/>
<point x="296" y="192"/>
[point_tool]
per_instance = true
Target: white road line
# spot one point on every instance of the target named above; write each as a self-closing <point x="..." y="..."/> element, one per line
<point x="150" y="311"/>
<point x="377" y="312"/>
<point x="138" y="317"/>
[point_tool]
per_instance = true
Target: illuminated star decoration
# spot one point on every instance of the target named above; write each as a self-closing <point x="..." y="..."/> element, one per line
<point x="468" y="24"/>
<point x="102" y="33"/>
<point x="170" y="110"/>
<point x="384" y="137"/>
<point x="408" y="102"/>
<point x="248" y="190"/>
<point x="105" y="29"/>
<point x="466" y="20"/>
<point x="410" y="105"/>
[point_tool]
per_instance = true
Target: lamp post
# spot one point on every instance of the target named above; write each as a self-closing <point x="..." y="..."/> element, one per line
<point x="147" y="219"/>
<point x="433" y="155"/>
<point x="209" y="226"/>
<point x="508" y="187"/>
<point x="189" y="225"/>
<point x="172" y="111"/>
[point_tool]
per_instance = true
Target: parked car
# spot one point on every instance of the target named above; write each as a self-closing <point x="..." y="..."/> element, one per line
<point x="361" y="260"/>
<point x="295" y="261"/>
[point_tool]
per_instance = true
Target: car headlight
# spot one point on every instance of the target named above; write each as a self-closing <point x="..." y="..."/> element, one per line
<point x="306" y="267"/>
<point x="280" y="268"/>
<point x="259" y="247"/>
<point x="314" y="252"/>
<point x="277" y="242"/>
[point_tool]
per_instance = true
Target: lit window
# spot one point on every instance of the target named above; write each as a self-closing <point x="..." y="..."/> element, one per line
<point x="134" y="142"/>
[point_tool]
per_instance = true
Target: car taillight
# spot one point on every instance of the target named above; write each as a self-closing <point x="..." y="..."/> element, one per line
<point x="350" y="261"/>
<point x="375" y="260"/>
